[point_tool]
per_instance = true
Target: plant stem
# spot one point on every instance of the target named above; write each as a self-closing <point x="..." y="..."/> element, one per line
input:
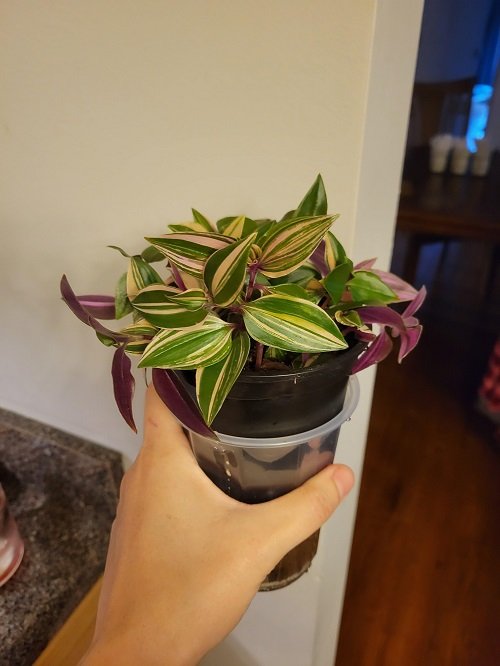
<point x="252" y="274"/>
<point x="259" y="353"/>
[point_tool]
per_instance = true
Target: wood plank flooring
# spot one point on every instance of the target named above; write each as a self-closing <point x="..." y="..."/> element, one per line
<point x="424" y="579"/>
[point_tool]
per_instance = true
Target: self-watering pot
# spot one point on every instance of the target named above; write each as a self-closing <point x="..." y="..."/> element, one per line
<point x="257" y="469"/>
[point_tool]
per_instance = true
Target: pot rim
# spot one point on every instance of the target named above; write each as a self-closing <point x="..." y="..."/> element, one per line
<point x="350" y="404"/>
<point x="271" y="376"/>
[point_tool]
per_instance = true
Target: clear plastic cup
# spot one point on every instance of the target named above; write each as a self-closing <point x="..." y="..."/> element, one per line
<point x="261" y="469"/>
<point x="11" y="544"/>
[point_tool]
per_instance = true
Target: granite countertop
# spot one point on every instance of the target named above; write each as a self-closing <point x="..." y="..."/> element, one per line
<point x="62" y="491"/>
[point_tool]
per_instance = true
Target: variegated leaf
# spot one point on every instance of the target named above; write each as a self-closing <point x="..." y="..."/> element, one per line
<point x="140" y="328"/>
<point x="189" y="281"/>
<point x="302" y="276"/>
<point x="183" y="280"/>
<point x="192" y="299"/>
<point x="263" y="227"/>
<point x="314" y="202"/>
<point x="138" y="346"/>
<point x="367" y="287"/>
<point x="187" y="227"/>
<point x="225" y="271"/>
<point x="158" y="306"/>
<point x="214" y="382"/>
<point x="236" y="227"/>
<point x="202" y="220"/>
<point x="189" y="251"/>
<point x="350" y="318"/>
<point x="290" y="242"/>
<point x="189" y="348"/>
<point x="293" y="324"/>
<point x="139" y="275"/>
<point x="132" y="345"/>
<point x="334" y="251"/>
<point x="294" y="290"/>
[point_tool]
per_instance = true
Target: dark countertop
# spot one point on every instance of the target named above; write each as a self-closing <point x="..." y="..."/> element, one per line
<point x="62" y="491"/>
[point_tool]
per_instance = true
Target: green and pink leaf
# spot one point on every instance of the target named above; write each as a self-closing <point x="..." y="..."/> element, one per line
<point x="292" y="324"/>
<point x="226" y="269"/>
<point x="158" y="305"/>
<point x="290" y="242"/>
<point x="202" y="220"/>
<point x="214" y="382"/>
<point x="140" y="274"/>
<point x="189" y="348"/>
<point x="189" y="251"/>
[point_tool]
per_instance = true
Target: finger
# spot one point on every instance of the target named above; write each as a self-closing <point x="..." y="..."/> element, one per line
<point x="287" y="521"/>
<point x="160" y="425"/>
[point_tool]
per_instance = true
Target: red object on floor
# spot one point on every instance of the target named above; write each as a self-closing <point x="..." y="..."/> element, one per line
<point x="490" y="386"/>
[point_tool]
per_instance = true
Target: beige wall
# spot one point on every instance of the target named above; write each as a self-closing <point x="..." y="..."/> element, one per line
<point x="118" y="116"/>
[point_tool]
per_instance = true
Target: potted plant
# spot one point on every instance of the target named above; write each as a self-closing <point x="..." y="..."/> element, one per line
<point x="252" y="331"/>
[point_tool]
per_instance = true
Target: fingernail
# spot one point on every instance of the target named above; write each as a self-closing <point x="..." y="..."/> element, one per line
<point x="343" y="479"/>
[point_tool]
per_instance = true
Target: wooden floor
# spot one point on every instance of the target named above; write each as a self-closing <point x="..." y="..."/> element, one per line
<point x="424" y="580"/>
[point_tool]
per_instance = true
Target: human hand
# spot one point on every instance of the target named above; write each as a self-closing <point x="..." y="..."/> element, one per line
<point x="184" y="559"/>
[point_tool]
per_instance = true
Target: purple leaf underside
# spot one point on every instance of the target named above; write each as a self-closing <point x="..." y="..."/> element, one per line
<point x="382" y="315"/>
<point x="123" y="385"/>
<point x="379" y="349"/>
<point x="409" y="340"/>
<point x="365" y="265"/>
<point x="101" y="307"/>
<point x="174" y="395"/>
<point x="416" y="303"/>
<point x="177" y="277"/>
<point x="317" y="258"/>
<point x="79" y="311"/>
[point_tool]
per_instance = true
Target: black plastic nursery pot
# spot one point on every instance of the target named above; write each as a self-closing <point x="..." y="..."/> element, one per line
<point x="276" y="430"/>
<point x="271" y="403"/>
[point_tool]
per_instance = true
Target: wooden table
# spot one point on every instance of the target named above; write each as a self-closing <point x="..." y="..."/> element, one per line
<point x="72" y="641"/>
<point x="441" y="207"/>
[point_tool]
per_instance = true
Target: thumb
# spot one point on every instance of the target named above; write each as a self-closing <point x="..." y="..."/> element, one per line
<point x="288" y="520"/>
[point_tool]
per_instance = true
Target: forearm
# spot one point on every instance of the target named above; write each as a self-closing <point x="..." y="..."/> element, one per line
<point x="130" y="652"/>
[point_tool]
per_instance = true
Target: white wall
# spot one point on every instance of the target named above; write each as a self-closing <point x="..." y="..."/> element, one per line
<point x="120" y="116"/>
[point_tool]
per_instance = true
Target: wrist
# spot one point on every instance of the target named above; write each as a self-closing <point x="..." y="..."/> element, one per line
<point x="127" y="652"/>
